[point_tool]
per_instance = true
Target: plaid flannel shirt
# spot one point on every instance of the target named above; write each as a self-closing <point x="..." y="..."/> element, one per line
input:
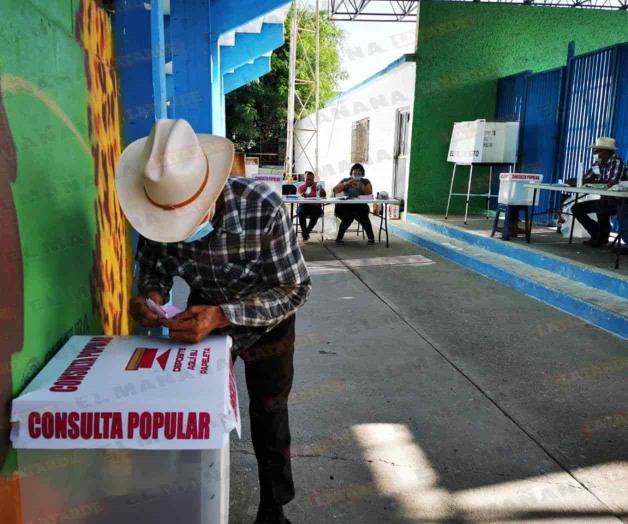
<point x="250" y="265"/>
<point x="610" y="173"/>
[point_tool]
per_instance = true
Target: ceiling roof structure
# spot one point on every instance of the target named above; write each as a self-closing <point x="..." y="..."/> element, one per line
<point x="406" y="10"/>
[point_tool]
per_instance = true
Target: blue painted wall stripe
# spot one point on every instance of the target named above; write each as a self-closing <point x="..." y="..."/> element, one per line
<point x="611" y="322"/>
<point x="560" y="266"/>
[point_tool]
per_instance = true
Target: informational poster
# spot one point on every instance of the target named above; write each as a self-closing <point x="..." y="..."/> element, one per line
<point x="479" y="142"/>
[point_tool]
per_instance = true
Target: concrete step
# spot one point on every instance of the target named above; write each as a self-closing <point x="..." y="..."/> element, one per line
<point x="578" y="272"/>
<point x="593" y="296"/>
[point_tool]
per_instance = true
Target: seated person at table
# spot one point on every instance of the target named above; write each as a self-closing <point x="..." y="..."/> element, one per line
<point x="312" y="211"/>
<point x="607" y="169"/>
<point x="353" y="187"/>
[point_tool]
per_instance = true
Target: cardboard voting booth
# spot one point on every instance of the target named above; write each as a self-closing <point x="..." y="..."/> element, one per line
<point x="513" y="190"/>
<point x="128" y="429"/>
<point x="481" y="142"/>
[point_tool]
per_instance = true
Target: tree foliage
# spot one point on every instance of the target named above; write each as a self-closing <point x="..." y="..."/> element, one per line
<point x="256" y="114"/>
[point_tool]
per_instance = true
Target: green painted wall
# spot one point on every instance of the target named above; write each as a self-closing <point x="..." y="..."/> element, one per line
<point x="45" y="100"/>
<point x="462" y="49"/>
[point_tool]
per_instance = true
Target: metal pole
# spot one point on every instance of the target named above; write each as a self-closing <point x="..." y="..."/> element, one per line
<point x="488" y="198"/>
<point x="451" y="188"/>
<point x="291" y="90"/>
<point x="317" y="83"/>
<point x="466" y="209"/>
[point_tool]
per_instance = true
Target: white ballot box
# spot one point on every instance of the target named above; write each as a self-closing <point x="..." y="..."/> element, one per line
<point x="513" y="190"/>
<point x="121" y="430"/>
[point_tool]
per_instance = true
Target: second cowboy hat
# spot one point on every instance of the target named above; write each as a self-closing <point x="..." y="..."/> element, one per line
<point x="604" y="142"/>
<point x="167" y="182"/>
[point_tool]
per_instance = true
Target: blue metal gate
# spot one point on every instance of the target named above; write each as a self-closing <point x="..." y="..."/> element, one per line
<point x="590" y="101"/>
<point x="563" y="111"/>
<point x="511" y="92"/>
<point x="620" y="126"/>
<point x="510" y="107"/>
<point x="540" y="131"/>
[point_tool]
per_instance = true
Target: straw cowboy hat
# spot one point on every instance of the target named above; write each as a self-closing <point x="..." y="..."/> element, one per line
<point x="167" y="182"/>
<point x="604" y="142"/>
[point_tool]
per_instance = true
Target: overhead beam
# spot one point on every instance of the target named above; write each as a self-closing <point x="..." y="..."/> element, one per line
<point x="406" y="10"/>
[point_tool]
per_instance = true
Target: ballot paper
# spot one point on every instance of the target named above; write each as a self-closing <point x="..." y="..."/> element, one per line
<point x="168" y="310"/>
<point x="130" y="392"/>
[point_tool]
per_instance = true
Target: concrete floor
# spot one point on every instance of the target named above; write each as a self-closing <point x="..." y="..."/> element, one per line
<point x="427" y="393"/>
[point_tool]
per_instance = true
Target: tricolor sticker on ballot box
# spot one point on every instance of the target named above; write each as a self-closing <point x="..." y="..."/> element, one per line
<point x="130" y="392"/>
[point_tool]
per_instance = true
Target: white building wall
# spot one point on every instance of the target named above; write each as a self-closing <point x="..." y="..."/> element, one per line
<point x="378" y="100"/>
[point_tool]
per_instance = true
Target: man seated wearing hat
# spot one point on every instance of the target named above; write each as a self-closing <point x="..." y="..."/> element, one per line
<point x="607" y="169"/>
<point x="232" y="241"/>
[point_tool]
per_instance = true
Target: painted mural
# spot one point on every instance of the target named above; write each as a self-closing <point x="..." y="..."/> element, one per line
<point x="112" y="256"/>
<point x="11" y="299"/>
<point x="64" y="249"/>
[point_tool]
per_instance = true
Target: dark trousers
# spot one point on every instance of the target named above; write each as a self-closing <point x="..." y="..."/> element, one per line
<point x="311" y="211"/>
<point x="347" y="213"/>
<point x="604" y="208"/>
<point x="268" y="367"/>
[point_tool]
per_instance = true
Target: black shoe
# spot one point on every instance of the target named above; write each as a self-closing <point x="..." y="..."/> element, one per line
<point x="271" y="515"/>
<point x="306" y="237"/>
<point x="340" y="242"/>
<point x="371" y="241"/>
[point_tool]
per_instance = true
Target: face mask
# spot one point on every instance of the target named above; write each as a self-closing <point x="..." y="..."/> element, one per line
<point x="200" y="232"/>
<point x="596" y="157"/>
<point x="356" y="177"/>
<point x="204" y="229"/>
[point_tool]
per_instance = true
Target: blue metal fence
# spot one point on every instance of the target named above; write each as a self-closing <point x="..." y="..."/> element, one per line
<point x="510" y="107"/>
<point x="620" y="125"/>
<point x="540" y="131"/>
<point x="562" y="111"/>
<point x="590" y="101"/>
<point x="511" y="92"/>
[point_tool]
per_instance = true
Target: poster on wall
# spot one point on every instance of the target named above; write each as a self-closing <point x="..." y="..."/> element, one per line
<point x="480" y="141"/>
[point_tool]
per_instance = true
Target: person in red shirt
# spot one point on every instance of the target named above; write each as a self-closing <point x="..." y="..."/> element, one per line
<point x="311" y="189"/>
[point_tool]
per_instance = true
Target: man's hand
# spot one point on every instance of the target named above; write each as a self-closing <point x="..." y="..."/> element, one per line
<point x="140" y="311"/>
<point x="195" y="323"/>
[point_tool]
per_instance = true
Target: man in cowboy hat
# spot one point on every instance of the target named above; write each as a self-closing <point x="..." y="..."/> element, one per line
<point x="232" y="241"/>
<point x="607" y="169"/>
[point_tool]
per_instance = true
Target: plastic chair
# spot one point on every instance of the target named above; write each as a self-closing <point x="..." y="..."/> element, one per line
<point x="507" y="210"/>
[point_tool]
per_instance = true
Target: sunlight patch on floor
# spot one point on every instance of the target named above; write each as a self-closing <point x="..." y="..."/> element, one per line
<point x="402" y="472"/>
